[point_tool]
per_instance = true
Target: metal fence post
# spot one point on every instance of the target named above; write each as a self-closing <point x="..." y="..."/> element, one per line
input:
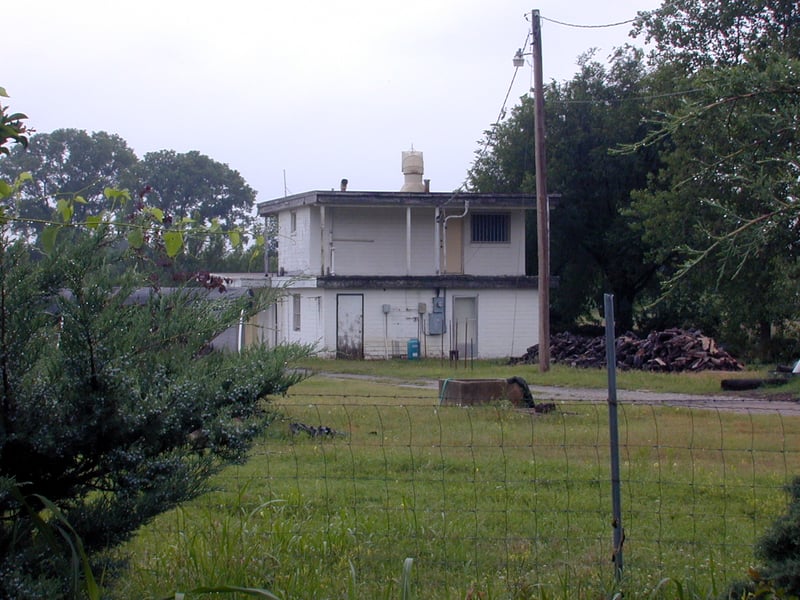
<point x="613" y="433"/>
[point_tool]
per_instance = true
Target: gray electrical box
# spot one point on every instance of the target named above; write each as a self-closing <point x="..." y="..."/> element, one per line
<point x="436" y="321"/>
<point x="386" y="309"/>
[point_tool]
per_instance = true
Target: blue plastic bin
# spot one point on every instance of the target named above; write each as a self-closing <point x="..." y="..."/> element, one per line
<point x="413" y="349"/>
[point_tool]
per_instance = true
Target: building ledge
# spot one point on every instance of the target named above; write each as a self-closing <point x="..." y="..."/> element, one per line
<point x="427" y="281"/>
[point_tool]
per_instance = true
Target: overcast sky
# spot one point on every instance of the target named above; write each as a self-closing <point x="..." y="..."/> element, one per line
<point x="296" y="94"/>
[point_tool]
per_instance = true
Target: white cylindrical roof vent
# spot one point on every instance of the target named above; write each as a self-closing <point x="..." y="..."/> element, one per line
<point x="413" y="169"/>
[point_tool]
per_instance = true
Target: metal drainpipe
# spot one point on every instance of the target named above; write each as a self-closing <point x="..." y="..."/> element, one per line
<point x="436" y="241"/>
<point x="332" y="270"/>
<point x="446" y="219"/>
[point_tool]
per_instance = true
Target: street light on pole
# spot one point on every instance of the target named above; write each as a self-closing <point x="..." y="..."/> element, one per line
<point x="542" y="204"/>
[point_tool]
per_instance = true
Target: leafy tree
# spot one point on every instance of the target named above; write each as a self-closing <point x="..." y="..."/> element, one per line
<point x="595" y="249"/>
<point x="71" y="169"/>
<point x="701" y="33"/>
<point x="67" y="165"/>
<point x="728" y="193"/>
<point x="112" y="409"/>
<point x="723" y="210"/>
<point x="193" y="186"/>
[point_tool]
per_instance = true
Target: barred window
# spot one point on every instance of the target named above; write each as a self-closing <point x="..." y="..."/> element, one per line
<point x="491" y="228"/>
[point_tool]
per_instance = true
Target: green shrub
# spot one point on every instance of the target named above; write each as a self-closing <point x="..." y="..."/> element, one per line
<point x="113" y="410"/>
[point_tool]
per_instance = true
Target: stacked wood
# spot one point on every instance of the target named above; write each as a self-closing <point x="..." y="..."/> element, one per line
<point x="671" y="350"/>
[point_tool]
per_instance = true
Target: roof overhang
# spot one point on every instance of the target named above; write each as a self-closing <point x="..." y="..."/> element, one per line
<point x="398" y="199"/>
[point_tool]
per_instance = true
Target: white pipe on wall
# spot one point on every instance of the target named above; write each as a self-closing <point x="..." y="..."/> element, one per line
<point x="446" y="219"/>
<point x="436" y="240"/>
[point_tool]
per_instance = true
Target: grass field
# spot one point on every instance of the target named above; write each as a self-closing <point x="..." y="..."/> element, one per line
<point x="489" y="502"/>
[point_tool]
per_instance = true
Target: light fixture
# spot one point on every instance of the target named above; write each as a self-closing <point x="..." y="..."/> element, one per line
<point x="519" y="59"/>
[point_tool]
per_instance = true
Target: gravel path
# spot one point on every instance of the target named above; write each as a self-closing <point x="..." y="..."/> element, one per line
<point x="734" y="401"/>
<point x="727" y="402"/>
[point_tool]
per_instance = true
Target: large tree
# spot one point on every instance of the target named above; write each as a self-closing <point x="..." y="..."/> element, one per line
<point x="723" y="210"/>
<point x="694" y="34"/>
<point x="65" y="165"/>
<point x="193" y="185"/>
<point x="595" y="249"/>
<point x="71" y="169"/>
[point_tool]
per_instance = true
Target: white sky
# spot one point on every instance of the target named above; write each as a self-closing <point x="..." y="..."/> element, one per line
<point x="306" y="91"/>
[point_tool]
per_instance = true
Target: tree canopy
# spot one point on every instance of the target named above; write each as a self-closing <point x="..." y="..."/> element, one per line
<point x="70" y="170"/>
<point x="68" y="165"/>
<point x="192" y="185"/>
<point x="677" y="175"/>
<point x="594" y="248"/>
<point x="723" y="210"/>
<point x="695" y="34"/>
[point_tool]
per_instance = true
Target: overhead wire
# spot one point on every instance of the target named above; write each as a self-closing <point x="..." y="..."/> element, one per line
<point x="501" y="115"/>
<point x="640" y="98"/>
<point x="603" y="26"/>
<point x="603" y="101"/>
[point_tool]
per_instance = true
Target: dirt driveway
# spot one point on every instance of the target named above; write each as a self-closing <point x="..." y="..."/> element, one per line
<point x="749" y="402"/>
<point x="734" y="401"/>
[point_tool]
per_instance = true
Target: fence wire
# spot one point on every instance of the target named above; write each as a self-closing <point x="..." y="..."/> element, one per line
<point x="496" y="500"/>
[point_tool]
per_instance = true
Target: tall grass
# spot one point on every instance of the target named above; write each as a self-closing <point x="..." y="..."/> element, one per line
<point x="489" y="502"/>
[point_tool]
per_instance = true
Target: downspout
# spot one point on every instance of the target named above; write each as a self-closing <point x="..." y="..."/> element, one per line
<point x="332" y="268"/>
<point x="386" y="335"/>
<point x="446" y="219"/>
<point x="437" y="251"/>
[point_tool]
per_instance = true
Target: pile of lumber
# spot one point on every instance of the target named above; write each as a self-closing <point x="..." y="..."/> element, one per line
<point x="671" y="350"/>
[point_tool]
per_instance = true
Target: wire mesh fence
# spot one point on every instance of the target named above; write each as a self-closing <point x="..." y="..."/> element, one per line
<point x="501" y="501"/>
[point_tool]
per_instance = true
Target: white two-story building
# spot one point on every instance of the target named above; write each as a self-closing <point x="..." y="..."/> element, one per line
<point x="388" y="274"/>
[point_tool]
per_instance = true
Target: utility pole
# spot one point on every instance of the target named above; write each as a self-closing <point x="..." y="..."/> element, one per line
<point x="542" y="204"/>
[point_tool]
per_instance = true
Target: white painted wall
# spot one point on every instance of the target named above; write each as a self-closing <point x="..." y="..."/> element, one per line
<point x="369" y="241"/>
<point x="374" y="241"/>
<point x="280" y="325"/>
<point x="497" y="259"/>
<point x="507" y="322"/>
<point x="294" y="247"/>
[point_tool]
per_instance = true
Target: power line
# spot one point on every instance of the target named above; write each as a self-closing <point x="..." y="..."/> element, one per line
<point x="511" y="85"/>
<point x="501" y="115"/>
<point x="604" y="26"/>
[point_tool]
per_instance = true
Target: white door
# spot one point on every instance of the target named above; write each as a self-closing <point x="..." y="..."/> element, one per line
<point x="465" y="326"/>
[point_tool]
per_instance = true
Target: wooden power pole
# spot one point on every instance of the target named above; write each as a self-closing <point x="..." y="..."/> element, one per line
<point x="542" y="204"/>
